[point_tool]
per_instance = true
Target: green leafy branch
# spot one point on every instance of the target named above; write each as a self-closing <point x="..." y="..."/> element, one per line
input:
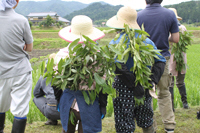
<point x="178" y="48"/>
<point x="143" y="54"/>
<point x="88" y="65"/>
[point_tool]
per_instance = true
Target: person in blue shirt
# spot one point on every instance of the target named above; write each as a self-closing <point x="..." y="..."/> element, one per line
<point x="161" y="24"/>
<point x="125" y="108"/>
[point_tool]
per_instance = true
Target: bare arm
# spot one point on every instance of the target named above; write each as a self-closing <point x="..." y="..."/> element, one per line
<point x="174" y="37"/>
<point x="28" y="47"/>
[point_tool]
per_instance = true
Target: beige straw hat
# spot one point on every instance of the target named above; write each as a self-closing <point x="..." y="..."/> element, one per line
<point x="80" y="25"/>
<point x="125" y="15"/>
<point x="174" y="10"/>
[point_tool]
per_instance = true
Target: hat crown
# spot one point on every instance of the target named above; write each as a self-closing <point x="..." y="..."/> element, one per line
<point x="81" y="25"/>
<point x="175" y="12"/>
<point x="127" y="14"/>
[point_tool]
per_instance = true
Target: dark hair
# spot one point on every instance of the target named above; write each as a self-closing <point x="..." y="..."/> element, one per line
<point x="153" y="1"/>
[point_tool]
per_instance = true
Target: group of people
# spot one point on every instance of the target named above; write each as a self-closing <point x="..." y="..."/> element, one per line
<point x="16" y="79"/>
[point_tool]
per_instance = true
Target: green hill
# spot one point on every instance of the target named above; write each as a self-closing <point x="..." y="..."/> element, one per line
<point x="98" y="12"/>
<point x="189" y="11"/>
<point x="61" y="7"/>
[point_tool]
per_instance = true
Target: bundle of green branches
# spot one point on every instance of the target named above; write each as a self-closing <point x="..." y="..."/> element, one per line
<point x="88" y="64"/>
<point x="180" y="47"/>
<point x="143" y="55"/>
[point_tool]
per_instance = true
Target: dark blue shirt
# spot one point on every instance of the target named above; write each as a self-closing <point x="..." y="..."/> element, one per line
<point x="158" y="22"/>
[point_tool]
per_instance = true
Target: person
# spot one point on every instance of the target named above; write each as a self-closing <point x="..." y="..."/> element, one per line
<point x="89" y="116"/>
<point x="179" y="75"/>
<point x="15" y="68"/>
<point x="161" y="24"/>
<point x="48" y="104"/>
<point x="125" y="108"/>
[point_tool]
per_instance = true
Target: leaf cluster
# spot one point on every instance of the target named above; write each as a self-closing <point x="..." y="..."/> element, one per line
<point x="91" y="64"/>
<point x="133" y="44"/>
<point x="88" y="65"/>
<point x="180" y="47"/>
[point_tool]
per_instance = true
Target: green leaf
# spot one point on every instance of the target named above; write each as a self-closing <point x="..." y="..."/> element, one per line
<point x="119" y="65"/>
<point x="88" y="39"/>
<point x="48" y="80"/>
<point x="72" y="117"/>
<point x="67" y="62"/>
<point x="99" y="80"/>
<point x="87" y="58"/>
<point x="115" y="50"/>
<point x="74" y="70"/>
<point x="74" y="43"/>
<point x="60" y="65"/>
<point x="86" y="97"/>
<point x="90" y="81"/>
<point x="98" y="88"/>
<point x="64" y="84"/>
<point x="77" y="47"/>
<point x="50" y="65"/>
<point x="117" y="37"/>
<point x="109" y="31"/>
<point x="42" y="68"/>
<point x="92" y="95"/>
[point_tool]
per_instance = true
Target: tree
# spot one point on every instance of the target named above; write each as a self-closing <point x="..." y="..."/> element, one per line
<point x="30" y="23"/>
<point x="49" y="21"/>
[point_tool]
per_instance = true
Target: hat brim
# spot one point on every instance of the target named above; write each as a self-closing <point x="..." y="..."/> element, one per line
<point x="119" y="24"/>
<point x="68" y="36"/>
<point x="179" y="18"/>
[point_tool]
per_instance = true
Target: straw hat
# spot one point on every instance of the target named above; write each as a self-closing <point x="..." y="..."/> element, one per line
<point x="125" y="15"/>
<point x="174" y="10"/>
<point x="80" y="25"/>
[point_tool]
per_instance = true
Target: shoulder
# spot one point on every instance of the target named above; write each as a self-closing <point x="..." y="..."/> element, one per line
<point x="169" y="13"/>
<point x="149" y="41"/>
<point x="19" y="17"/>
<point x="142" y="12"/>
<point x="118" y="40"/>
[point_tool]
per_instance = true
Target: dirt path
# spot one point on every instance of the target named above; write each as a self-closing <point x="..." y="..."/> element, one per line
<point x="36" y="53"/>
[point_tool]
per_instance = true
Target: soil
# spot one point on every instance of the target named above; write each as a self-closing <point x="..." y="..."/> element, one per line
<point x="36" y="53"/>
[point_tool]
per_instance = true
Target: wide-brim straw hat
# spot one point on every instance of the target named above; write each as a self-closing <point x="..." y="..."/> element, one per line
<point x="80" y="25"/>
<point x="174" y="10"/>
<point x="125" y="15"/>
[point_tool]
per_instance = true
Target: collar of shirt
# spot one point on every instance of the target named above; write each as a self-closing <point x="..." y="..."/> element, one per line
<point x="153" y="5"/>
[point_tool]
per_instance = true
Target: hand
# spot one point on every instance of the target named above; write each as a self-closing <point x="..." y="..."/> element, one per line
<point x="153" y="91"/>
<point x="24" y="47"/>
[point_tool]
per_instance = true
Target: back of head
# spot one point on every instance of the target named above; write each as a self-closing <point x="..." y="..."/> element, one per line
<point x="8" y="4"/>
<point x="153" y="1"/>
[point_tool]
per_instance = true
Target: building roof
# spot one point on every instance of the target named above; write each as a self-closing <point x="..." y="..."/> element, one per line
<point x="42" y="14"/>
<point x="63" y="20"/>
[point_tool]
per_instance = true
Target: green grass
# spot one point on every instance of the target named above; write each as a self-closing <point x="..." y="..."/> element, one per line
<point x="49" y="43"/>
<point x="186" y="122"/>
<point x="192" y="28"/>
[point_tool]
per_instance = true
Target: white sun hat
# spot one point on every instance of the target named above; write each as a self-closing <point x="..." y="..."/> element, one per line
<point x="174" y="10"/>
<point x="80" y="25"/>
<point x="125" y="15"/>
